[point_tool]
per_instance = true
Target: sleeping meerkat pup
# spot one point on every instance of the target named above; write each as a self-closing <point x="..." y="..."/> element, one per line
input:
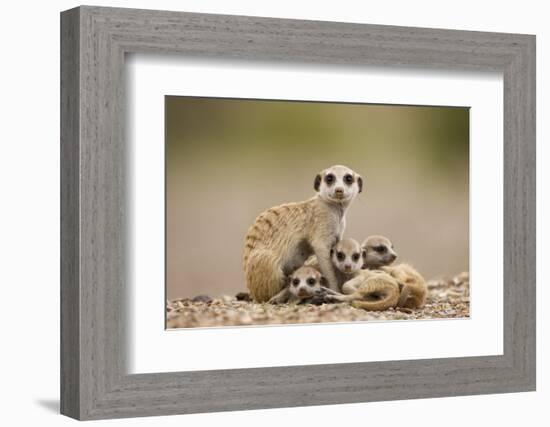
<point x="305" y="286"/>
<point x="370" y="290"/>
<point x="413" y="288"/>
<point x="377" y="252"/>
<point x="373" y="291"/>
<point x="283" y="237"/>
<point x="392" y="286"/>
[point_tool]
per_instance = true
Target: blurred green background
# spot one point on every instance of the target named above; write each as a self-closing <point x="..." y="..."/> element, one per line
<point x="227" y="160"/>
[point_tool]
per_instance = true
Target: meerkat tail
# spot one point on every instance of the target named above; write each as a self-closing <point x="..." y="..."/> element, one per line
<point x="404" y="296"/>
<point x="413" y="286"/>
<point x="412" y="296"/>
<point x="378" y="294"/>
<point x="263" y="279"/>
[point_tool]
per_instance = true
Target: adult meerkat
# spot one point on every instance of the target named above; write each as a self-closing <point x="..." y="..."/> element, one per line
<point x="413" y="288"/>
<point x="283" y="237"/>
<point x="377" y="252"/>
<point x="305" y="286"/>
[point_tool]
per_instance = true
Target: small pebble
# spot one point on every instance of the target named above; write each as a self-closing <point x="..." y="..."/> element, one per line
<point x="243" y="296"/>
<point x="202" y="298"/>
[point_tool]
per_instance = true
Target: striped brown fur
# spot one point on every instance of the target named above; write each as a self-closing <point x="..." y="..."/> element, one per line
<point x="282" y="237"/>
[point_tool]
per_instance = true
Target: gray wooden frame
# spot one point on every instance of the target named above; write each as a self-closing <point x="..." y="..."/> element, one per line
<point x="94" y="41"/>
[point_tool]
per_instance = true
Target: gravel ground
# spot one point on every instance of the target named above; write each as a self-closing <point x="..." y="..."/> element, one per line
<point x="447" y="298"/>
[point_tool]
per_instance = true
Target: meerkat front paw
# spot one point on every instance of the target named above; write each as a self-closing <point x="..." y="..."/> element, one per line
<point x="331" y="299"/>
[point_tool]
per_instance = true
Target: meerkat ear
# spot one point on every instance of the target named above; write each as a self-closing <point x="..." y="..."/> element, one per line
<point x="323" y="281"/>
<point x="317" y="182"/>
<point x="360" y="183"/>
<point x="364" y="253"/>
<point x="331" y="252"/>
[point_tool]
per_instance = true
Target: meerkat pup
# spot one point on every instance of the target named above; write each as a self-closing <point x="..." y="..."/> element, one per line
<point x="369" y="290"/>
<point x="392" y="286"/>
<point x="379" y="286"/>
<point x="347" y="259"/>
<point x="372" y="291"/>
<point x="305" y="286"/>
<point x="377" y="252"/>
<point x="283" y="237"/>
<point x="413" y="288"/>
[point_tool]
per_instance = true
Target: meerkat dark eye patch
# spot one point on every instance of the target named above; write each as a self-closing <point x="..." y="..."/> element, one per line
<point x="296" y="282"/>
<point x="330" y="178"/>
<point x="348" y="179"/>
<point x="311" y="281"/>
<point x="317" y="182"/>
<point x="355" y="257"/>
<point x="340" y="256"/>
<point x="380" y="249"/>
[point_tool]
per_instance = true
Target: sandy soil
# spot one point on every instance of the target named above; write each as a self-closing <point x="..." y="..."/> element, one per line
<point x="447" y="298"/>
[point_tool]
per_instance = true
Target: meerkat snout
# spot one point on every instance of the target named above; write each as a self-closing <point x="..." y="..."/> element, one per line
<point x="346" y="256"/>
<point x="377" y="252"/>
<point x="338" y="184"/>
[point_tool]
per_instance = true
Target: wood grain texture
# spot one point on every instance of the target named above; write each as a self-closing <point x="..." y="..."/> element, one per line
<point x="94" y="380"/>
<point x="70" y="220"/>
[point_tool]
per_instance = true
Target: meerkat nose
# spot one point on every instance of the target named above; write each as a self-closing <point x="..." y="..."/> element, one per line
<point x="339" y="190"/>
<point x="393" y="256"/>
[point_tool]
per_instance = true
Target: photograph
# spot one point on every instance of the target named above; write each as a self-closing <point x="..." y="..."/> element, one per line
<point x="293" y="212"/>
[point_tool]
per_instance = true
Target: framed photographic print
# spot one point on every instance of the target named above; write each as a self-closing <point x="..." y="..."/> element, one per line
<point x="261" y="213"/>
